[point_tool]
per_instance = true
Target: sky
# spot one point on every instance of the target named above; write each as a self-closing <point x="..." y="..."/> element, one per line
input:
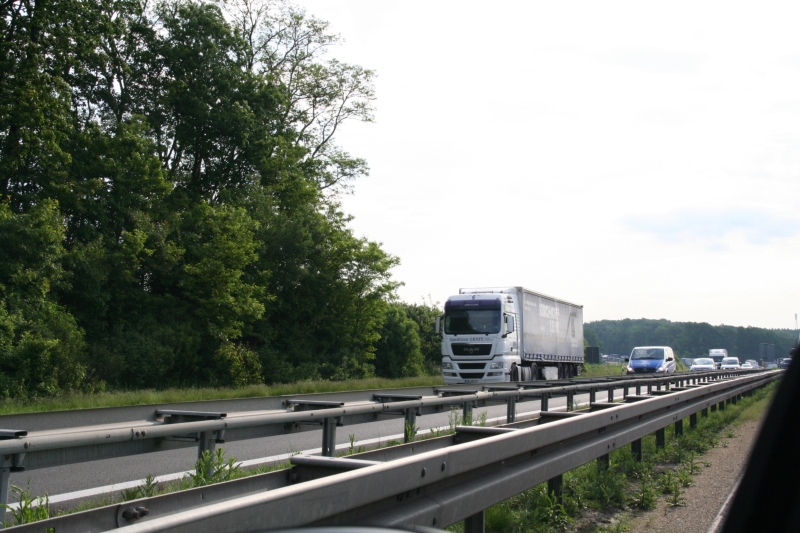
<point x="641" y="159"/>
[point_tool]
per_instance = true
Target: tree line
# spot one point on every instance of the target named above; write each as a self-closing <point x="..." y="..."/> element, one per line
<point x="687" y="339"/>
<point x="169" y="202"/>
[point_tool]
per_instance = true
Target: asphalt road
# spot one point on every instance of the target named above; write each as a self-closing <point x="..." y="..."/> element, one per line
<point x="91" y="479"/>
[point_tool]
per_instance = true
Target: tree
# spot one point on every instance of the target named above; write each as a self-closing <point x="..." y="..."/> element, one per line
<point x="424" y="315"/>
<point x="41" y="346"/>
<point x="398" y="352"/>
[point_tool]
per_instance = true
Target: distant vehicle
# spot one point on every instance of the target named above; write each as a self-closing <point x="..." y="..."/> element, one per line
<point x="688" y="361"/>
<point x="703" y="363"/>
<point x="753" y="363"/>
<point x="648" y="359"/>
<point x="746" y="365"/>
<point x="718" y="354"/>
<point x="785" y="362"/>
<point x="730" y="363"/>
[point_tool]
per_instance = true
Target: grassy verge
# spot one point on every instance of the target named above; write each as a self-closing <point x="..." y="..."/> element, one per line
<point x="625" y="484"/>
<point x="144" y="397"/>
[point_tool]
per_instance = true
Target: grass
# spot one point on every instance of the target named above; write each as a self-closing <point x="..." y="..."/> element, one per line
<point x="146" y="397"/>
<point x="598" y="371"/>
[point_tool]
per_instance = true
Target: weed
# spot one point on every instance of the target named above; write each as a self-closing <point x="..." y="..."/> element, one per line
<point x="411" y="431"/>
<point x="146" y="490"/>
<point x="685" y="477"/>
<point x="351" y="448"/>
<point x="482" y="419"/>
<point x="693" y="464"/>
<point x="677" y="498"/>
<point x="454" y="419"/>
<point x="30" y="509"/>
<point x="644" y="495"/>
<point x="213" y="468"/>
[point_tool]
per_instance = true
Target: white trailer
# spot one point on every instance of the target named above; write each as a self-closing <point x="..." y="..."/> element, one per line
<point x="509" y="334"/>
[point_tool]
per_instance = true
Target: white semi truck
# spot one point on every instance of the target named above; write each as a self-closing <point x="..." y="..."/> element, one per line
<point x="509" y="334"/>
<point x="718" y="354"/>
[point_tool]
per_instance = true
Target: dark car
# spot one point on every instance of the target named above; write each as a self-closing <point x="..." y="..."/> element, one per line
<point x="785" y="362"/>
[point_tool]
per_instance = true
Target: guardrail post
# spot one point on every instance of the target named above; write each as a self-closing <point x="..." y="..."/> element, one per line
<point x="625" y="389"/>
<point x="722" y="405"/>
<point x="467" y="413"/>
<point x="11" y="463"/>
<point x="206" y="443"/>
<point x="544" y="401"/>
<point x="693" y="420"/>
<point x="714" y="408"/>
<point x="660" y="438"/>
<point x="603" y="462"/>
<point x="555" y="488"/>
<point x="329" y="437"/>
<point x="570" y="400"/>
<point x="638" y="388"/>
<point x="610" y="393"/>
<point x="411" y="424"/>
<point x="5" y="474"/>
<point x="475" y="523"/>
<point x="592" y="395"/>
<point x="704" y="412"/>
<point x="636" y="449"/>
<point x="679" y="428"/>
<point x="511" y="409"/>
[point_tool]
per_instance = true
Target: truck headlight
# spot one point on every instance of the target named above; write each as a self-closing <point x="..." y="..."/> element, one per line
<point x="447" y="366"/>
<point x="496" y="365"/>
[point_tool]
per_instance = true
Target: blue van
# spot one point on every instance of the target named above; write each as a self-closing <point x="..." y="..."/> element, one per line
<point x="651" y="359"/>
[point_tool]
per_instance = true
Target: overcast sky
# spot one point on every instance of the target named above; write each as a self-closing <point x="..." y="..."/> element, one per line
<point x="641" y="159"/>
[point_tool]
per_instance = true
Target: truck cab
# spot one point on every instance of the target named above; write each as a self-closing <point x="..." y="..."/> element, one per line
<point x="479" y="340"/>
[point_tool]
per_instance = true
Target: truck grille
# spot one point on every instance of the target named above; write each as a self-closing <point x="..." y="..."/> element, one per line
<point x="471" y="366"/>
<point x="472" y="375"/>
<point x="471" y="349"/>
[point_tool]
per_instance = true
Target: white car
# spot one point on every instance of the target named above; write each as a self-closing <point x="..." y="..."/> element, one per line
<point x="730" y="363"/>
<point x="746" y="365"/>
<point x="703" y="364"/>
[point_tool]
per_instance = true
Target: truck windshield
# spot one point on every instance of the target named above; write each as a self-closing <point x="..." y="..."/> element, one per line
<point x="717" y="358"/>
<point x="648" y="353"/>
<point x="470" y="321"/>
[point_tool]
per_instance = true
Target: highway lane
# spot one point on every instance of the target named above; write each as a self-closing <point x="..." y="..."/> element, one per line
<point x="69" y="482"/>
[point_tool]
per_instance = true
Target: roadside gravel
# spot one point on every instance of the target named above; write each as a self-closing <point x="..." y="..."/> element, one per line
<point x="709" y="491"/>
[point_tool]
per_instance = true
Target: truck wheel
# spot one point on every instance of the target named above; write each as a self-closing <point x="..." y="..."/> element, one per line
<point x="514" y="372"/>
<point x="535" y="373"/>
<point x="526" y="373"/>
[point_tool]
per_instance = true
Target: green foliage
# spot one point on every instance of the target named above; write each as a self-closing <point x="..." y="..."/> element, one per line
<point x="213" y="468"/>
<point x="41" y="346"/>
<point x="424" y="315"/>
<point x="147" y="489"/>
<point x="168" y="185"/>
<point x="688" y="339"/>
<point x="398" y="349"/>
<point x="30" y="509"/>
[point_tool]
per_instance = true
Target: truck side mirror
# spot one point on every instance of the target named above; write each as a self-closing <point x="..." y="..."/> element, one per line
<point x="509" y="324"/>
<point x="438" y="320"/>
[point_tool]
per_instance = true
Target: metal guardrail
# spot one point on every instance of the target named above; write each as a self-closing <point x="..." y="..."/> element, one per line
<point x="435" y="482"/>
